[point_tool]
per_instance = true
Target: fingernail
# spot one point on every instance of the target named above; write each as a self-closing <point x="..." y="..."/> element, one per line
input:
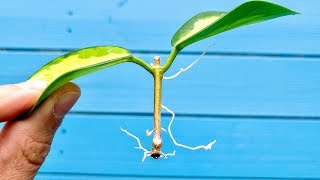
<point x="65" y="103"/>
<point x="33" y="85"/>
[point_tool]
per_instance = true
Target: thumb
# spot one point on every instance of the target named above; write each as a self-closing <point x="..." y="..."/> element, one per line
<point x="25" y="143"/>
<point x="16" y="99"/>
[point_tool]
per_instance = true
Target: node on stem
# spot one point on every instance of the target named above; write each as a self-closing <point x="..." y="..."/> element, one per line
<point x="156" y="61"/>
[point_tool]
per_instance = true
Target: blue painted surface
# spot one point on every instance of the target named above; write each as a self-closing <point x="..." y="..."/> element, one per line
<point x="265" y="148"/>
<point x="47" y="26"/>
<point x="257" y="92"/>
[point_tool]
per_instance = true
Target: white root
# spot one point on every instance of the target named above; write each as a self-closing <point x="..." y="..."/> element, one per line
<point x="182" y="145"/>
<point x="148" y="133"/>
<point x="169" y="154"/>
<point x="187" y="68"/>
<point x="146" y="153"/>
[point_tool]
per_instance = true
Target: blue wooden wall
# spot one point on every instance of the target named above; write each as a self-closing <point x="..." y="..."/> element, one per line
<point x="257" y="91"/>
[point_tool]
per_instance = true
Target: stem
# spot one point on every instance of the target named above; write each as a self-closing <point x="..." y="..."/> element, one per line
<point x="157" y="141"/>
<point x="170" y="59"/>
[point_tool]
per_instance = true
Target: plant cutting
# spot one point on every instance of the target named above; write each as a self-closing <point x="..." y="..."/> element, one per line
<point x="201" y="26"/>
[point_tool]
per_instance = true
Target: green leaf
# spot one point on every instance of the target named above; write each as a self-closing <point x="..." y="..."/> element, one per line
<point x="78" y="63"/>
<point x="208" y="24"/>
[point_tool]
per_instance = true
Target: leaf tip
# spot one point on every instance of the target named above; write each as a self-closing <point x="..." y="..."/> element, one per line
<point x="295" y="12"/>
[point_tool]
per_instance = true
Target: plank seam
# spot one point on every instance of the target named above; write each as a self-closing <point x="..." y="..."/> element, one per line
<point x="89" y="175"/>
<point x="233" y="54"/>
<point x="225" y="116"/>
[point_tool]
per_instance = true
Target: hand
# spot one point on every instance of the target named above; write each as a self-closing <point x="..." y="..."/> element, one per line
<point x="25" y="142"/>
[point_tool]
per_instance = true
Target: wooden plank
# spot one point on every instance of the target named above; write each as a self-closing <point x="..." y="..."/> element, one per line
<point x="246" y="148"/>
<point x="216" y="86"/>
<point x="81" y="24"/>
<point x="59" y="9"/>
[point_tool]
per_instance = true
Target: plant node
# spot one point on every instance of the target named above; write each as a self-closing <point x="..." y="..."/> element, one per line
<point x="156" y="61"/>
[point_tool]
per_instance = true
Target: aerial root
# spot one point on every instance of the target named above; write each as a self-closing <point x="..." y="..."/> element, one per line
<point x="207" y="147"/>
<point x="187" y="68"/>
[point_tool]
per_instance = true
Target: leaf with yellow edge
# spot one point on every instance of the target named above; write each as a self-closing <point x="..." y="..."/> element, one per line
<point x="208" y="24"/>
<point x="79" y="63"/>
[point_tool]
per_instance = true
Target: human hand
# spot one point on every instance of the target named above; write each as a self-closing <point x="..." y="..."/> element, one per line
<point x="25" y="142"/>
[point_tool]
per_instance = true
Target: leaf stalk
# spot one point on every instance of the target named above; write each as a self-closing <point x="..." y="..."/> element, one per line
<point x="143" y="64"/>
<point x="170" y="59"/>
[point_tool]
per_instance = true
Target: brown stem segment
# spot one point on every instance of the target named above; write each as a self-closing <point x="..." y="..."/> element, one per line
<point x="157" y="140"/>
